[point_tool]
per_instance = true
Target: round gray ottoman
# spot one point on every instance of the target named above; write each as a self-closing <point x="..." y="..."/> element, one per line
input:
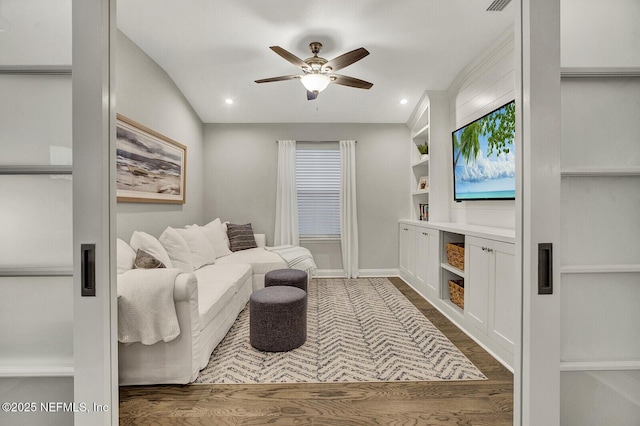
<point x="278" y="318"/>
<point x="291" y="277"/>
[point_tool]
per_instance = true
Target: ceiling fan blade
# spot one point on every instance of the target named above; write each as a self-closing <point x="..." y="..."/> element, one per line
<point x="350" y="81"/>
<point x="346" y="59"/>
<point x="281" y="78"/>
<point x="311" y="96"/>
<point x="290" y="57"/>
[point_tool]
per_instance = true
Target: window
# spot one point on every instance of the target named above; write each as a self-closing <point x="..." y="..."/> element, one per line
<point x="318" y="190"/>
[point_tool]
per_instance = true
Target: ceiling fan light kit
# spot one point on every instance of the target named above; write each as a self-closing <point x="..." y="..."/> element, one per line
<point x="318" y="72"/>
<point x="315" y="83"/>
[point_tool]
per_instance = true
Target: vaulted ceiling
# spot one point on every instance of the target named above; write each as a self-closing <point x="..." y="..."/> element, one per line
<point x="214" y="50"/>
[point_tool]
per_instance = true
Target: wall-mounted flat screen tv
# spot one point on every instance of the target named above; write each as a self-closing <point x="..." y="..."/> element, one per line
<point x="484" y="166"/>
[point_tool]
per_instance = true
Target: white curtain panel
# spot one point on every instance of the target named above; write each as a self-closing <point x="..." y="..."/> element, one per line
<point x="348" y="210"/>
<point x="286" y="196"/>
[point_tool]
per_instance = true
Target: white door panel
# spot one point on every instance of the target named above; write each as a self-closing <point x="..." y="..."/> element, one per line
<point x="600" y="257"/>
<point x="537" y="204"/>
<point x="502" y="327"/>
<point x="95" y="327"/>
<point x="36" y="221"/>
<point x="36" y="254"/>
<point x="476" y="288"/>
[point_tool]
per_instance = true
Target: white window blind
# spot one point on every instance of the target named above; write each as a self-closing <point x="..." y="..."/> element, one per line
<point x="318" y="188"/>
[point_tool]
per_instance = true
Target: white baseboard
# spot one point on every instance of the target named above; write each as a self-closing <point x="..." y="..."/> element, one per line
<point x="364" y="273"/>
<point x="379" y="273"/>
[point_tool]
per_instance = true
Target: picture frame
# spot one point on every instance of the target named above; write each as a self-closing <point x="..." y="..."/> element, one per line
<point x="150" y="167"/>
<point x="423" y="183"/>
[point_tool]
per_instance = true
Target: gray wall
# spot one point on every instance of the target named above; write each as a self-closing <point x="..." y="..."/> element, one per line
<point x="240" y="182"/>
<point x="146" y="94"/>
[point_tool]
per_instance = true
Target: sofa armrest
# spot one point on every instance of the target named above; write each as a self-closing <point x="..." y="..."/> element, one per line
<point x="186" y="288"/>
<point x="261" y="239"/>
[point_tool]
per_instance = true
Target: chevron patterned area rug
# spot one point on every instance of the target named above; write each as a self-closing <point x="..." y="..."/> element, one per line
<point x="358" y="330"/>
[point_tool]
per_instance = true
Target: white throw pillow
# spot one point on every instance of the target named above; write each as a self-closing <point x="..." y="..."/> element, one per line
<point x="150" y="244"/>
<point x="202" y="252"/>
<point x="178" y="249"/>
<point x="125" y="256"/>
<point x="217" y="236"/>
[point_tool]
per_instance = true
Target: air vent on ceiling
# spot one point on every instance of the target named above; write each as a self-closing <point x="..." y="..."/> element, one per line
<point x="498" y="5"/>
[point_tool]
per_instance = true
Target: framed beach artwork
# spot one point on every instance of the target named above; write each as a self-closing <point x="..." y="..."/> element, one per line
<point x="150" y="167"/>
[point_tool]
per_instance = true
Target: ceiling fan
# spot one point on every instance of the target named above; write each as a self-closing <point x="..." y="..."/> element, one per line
<point x="318" y="72"/>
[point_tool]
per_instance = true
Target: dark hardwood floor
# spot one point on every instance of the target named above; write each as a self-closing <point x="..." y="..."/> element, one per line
<point x="486" y="402"/>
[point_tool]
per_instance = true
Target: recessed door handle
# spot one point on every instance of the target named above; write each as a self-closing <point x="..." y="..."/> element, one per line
<point x="545" y="268"/>
<point x="88" y="269"/>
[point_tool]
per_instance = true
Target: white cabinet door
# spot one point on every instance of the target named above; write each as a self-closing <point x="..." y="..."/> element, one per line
<point x="407" y="252"/>
<point x="490" y="298"/>
<point x="422" y="256"/>
<point x="427" y="262"/>
<point x="433" y="263"/>
<point x="502" y="301"/>
<point x="476" y="286"/>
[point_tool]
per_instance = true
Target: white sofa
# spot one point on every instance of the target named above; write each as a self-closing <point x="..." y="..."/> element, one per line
<point x="207" y="302"/>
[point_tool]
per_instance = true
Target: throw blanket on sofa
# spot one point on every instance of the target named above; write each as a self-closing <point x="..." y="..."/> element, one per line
<point x="146" y="310"/>
<point x="297" y="257"/>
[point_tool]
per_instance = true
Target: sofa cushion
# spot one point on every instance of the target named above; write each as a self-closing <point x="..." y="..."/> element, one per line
<point x="261" y="260"/>
<point x="146" y="261"/>
<point x="178" y="249"/>
<point x="217" y="284"/>
<point x="150" y="244"/>
<point x="241" y="237"/>
<point x="125" y="256"/>
<point x="202" y="252"/>
<point x="217" y="236"/>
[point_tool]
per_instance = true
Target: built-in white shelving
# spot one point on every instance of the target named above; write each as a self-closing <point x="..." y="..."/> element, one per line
<point x="421" y="162"/>
<point x="488" y="314"/>
<point x="458" y="272"/>
<point x="421" y="135"/>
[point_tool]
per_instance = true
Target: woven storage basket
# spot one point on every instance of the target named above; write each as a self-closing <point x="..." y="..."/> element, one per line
<point x="455" y="255"/>
<point x="456" y="292"/>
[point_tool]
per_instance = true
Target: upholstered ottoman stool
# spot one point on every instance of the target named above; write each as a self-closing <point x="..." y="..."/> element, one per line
<point x="278" y="318"/>
<point x="291" y="277"/>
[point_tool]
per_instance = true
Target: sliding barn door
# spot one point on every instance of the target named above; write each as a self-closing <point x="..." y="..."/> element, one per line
<point x="94" y="289"/>
<point x="599" y="261"/>
<point x="36" y="210"/>
<point x="581" y="179"/>
<point x="56" y="351"/>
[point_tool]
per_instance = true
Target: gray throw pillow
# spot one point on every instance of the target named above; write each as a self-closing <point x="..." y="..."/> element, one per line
<point x="240" y="237"/>
<point x="145" y="261"/>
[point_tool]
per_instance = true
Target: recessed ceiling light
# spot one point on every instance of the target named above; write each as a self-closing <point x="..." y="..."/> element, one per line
<point x="228" y="101"/>
<point x="403" y="101"/>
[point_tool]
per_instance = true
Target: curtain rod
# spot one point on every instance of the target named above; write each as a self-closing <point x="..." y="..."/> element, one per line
<point x="317" y="141"/>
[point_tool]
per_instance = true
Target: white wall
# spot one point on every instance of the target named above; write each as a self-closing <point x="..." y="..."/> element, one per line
<point x="485" y="84"/>
<point x="146" y="94"/>
<point x="240" y="180"/>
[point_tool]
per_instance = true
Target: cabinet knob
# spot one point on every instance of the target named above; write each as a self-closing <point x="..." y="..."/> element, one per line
<point x="424" y="233"/>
